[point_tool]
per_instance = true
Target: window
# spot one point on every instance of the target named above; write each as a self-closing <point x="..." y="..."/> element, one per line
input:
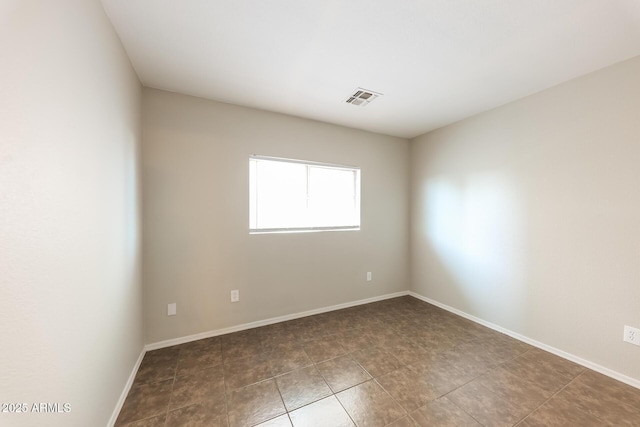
<point x="295" y="195"/>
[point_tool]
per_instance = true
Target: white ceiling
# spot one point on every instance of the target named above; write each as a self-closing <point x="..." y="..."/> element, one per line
<point x="435" y="61"/>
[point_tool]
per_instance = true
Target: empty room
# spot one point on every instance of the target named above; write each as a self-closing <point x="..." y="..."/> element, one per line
<point x="319" y="213"/>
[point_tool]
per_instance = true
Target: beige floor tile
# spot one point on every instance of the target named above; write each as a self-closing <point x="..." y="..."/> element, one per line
<point x="376" y="361"/>
<point x="254" y="404"/>
<point x="486" y="407"/>
<point x="301" y="387"/>
<point x="513" y="389"/>
<point x="369" y="405"/>
<point x="158" y="365"/>
<point x="208" y="413"/>
<point x="286" y="359"/>
<point x="443" y="413"/>
<point x="408" y="389"/>
<point x="557" y="412"/>
<point x="394" y="363"/>
<point x="158" y="421"/>
<point x="281" y="421"/>
<point x="325" y="348"/>
<point x="342" y="372"/>
<point x="323" y="413"/>
<point x="245" y="371"/>
<point x="198" y="386"/>
<point x="145" y="401"/>
<point x="404" y="422"/>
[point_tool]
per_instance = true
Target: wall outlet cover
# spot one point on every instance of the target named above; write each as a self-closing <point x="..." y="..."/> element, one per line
<point x="235" y="295"/>
<point x="631" y="335"/>
<point x="171" y="309"/>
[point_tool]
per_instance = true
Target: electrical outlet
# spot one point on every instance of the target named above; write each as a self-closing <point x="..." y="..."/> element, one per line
<point x="171" y="309"/>
<point x="631" y="335"/>
<point x="235" y="295"/>
<point x="368" y="276"/>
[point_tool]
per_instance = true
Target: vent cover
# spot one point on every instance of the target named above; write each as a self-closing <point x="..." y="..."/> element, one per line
<point x="362" y="97"/>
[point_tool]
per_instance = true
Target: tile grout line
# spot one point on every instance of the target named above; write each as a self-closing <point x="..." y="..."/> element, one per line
<point x="173" y="383"/>
<point x="286" y="411"/>
<point x="404" y="365"/>
<point x="345" y="409"/>
<point x="462" y="385"/>
<point x="552" y="396"/>
<point x="408" y="414"/>
<point x="478" y="376"/>
<point x="224" y="383"/>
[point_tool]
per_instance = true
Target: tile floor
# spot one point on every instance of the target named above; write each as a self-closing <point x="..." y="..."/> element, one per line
<point x="397" y="363"/>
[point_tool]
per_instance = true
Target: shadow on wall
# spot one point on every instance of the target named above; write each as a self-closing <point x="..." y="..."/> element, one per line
<point x="132" y="205"/>
<point x="475" y="228"/>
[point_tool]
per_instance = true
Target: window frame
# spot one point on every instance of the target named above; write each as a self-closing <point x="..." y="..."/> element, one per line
<point x="357" y="199"/>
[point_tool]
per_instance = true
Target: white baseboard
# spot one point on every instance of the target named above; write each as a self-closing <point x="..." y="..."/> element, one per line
<point x="270" y="321"/>
<point x="573" y="358"/>
<point x="125" y="392"/>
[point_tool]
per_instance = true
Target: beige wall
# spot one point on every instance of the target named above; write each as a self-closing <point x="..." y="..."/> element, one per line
<point x="71" y="317"/>
<point x="197" y="245"/>
<point x="528" y="216"/>
<point x="525" y="216"/>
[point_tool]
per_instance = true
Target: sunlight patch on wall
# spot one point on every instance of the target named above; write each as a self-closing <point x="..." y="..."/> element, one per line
<point x="474" y="226"/>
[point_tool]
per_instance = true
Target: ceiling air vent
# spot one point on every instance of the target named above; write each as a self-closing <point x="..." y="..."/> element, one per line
<point x="362" y="97"/>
